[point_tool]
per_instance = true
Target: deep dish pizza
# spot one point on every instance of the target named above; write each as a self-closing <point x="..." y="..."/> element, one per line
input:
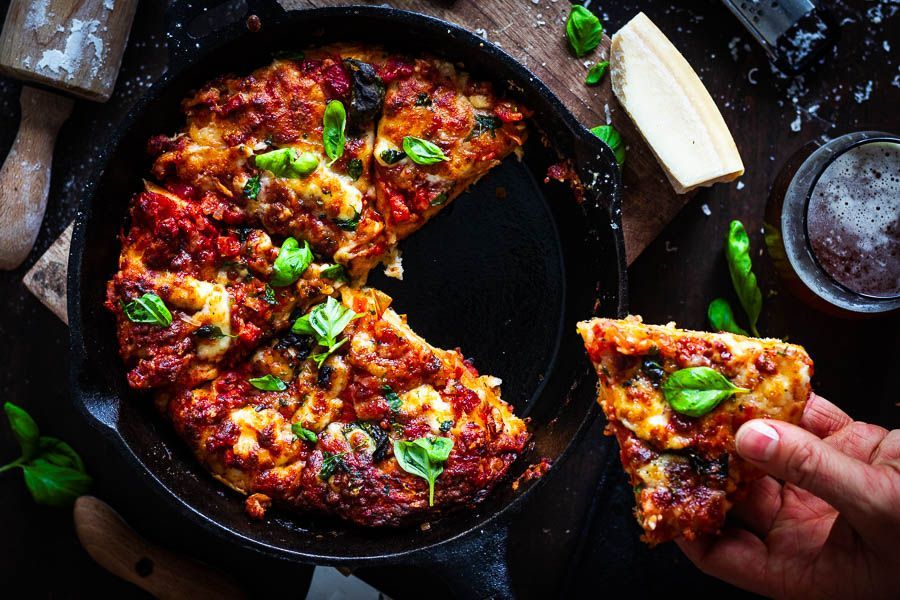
<point x="674" y="400"/>
<point x="240" y="298"/>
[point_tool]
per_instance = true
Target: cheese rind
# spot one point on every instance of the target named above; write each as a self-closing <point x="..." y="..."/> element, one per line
<point x="671" y="108"/>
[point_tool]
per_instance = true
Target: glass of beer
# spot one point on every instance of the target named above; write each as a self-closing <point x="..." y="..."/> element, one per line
<point x="833" y="224"/>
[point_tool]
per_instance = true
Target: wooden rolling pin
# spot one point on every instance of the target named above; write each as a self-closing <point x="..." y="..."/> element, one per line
<point x="117" y="548"/>
<point x="74" y="46"/>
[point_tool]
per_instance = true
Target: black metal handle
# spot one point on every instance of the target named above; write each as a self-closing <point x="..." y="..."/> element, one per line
<point x="475" y="566"/>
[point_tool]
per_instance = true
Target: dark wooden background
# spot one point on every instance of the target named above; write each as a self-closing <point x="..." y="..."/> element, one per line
<point x="577" y="536"/>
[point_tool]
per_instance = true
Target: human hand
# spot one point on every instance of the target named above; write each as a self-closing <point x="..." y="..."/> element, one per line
<point x="832" y="529"/>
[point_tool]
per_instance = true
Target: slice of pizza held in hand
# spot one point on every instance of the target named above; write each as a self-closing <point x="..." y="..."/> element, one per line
<point x="674" y="399"/>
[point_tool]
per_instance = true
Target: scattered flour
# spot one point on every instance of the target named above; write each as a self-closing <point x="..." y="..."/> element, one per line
<point x="69" y="60"/>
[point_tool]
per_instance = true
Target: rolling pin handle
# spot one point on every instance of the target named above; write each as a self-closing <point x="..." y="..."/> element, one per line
<point x="25" y="175"/>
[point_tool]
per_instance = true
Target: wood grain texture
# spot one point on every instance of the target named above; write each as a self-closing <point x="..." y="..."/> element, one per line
<point x="25" y="173"/>
<point x="73" y="45"/>
<point x="47" y="277"/>
<point x="118" y="549"/>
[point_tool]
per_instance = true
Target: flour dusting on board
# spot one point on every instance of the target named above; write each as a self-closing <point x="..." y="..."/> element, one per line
<point x="37" y="15"/>
<point x="69" y="60"/>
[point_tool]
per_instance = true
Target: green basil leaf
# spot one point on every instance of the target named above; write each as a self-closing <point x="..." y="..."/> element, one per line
<point x="269" y="295"/>
<point x="611" y="137"/>
<point x="348" y="224"/>
<point x="303" y="433"/>
<point x="334" y="123"/>
<point x="737" y="251"/>
<point x="695" y="391"/>
<point x="424" y="457"/>
<point x="336" y="272"/>
<point x="55" y="451"/>
<point x="268" y="383"/>
<point x="354" y="168"/>
<point x="446" y="426"/>
<point x="486" y="124"/>
<point x="721" y="318"/>
<point x="251" y="188"/>
<point x="390" y="157"/>
<point x="148" y="309"/>
<point x="583" y="30"/>
<point x="393" y="400"/>
<point x="595" y="73"/>
<point x="439" y="199"/>
<point x="422" y="152"/>
<point x="325" y="321"/>
<point x="302" y="326"/>
<point x="287" y="162"/>
<point x="24" y="429"/>
<point x="54" y="485"/>
<point x="331" y="462"/>
<point x="291" y="263"/>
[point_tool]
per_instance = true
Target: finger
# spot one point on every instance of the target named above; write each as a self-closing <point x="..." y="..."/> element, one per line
<point x="737" y="556"/>
<point x="823" y="418"/>
<point x="859" y="440"/>
<point x="758" y="509"/>
<point x="793" y="454"/>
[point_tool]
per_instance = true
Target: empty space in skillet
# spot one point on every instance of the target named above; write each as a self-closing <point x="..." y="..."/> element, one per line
<point x="505" y="279"/>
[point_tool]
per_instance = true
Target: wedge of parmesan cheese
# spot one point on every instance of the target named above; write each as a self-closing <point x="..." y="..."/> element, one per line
<point x="671" y="108"/>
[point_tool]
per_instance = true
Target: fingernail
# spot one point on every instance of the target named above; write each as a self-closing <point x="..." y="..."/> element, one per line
<point x="756" y="440"/>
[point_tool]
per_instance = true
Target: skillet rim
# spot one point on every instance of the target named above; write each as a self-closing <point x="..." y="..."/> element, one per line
<point x="229" y="34"/>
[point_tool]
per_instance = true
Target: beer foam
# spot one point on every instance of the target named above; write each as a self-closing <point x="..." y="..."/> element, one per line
<point x="853" y="219"/>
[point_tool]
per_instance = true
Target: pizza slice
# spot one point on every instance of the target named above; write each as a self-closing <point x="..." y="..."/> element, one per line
<point x="674" y="399"/>
<point x="316" y="424"/>
<point x="190" y="297"/>
<point x="439" y="133"/>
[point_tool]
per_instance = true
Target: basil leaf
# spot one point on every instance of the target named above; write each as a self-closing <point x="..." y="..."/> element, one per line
<point x="695" y="391"/>
<point x="393" y="400"/>
<point x="611" y="137"/>
<point x="59" y="453"/>
<point x="302" y="326"/>
<point x="354" y="168"/>
<point x="446" y="426"/>
<point x="390" y="157"/>
<point x="148" y="309"/>
<point x="303" y="433"/>
<point x="486" y="124"/>
<point x="348" y="224"/>
<point x="211" y="332"/>
<point x="425" y="458"/>
<point x="251" y="188"/>
<point x="53" y="485"/>
<point x="269" y="295"/>
<point x="331" y="462"/>
<point x="334" y="122"/>
<point x="24" y="429"/>
<point x="268" y="383"/>
<point x="721" y="318"/>
<point x="439" y="199"/>
<point x="422" y="152"/>
<point x="286" y="162"/>
<point x="336" y="272"/>
<point x="291" y="263"/>
<point x="329" y="319"/>
<point x="737" y="251"/>
<point x="583" y="30"/>
<point x="595" y="74"/>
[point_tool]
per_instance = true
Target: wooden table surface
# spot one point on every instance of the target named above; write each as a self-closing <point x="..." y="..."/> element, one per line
<point x="577" y="534"/>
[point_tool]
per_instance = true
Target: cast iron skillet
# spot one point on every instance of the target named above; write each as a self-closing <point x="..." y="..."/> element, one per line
<point x="504" y="273"/>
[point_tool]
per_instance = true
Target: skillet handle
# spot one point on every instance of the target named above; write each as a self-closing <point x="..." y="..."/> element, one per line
<point x="475" y="567"/>
<point x="190" y="26"/>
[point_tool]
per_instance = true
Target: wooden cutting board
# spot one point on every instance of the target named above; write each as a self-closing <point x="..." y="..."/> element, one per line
<point x="533" y="32"/>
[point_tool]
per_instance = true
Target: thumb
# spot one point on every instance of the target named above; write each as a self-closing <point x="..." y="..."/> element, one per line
<point x="794" y="455"/>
